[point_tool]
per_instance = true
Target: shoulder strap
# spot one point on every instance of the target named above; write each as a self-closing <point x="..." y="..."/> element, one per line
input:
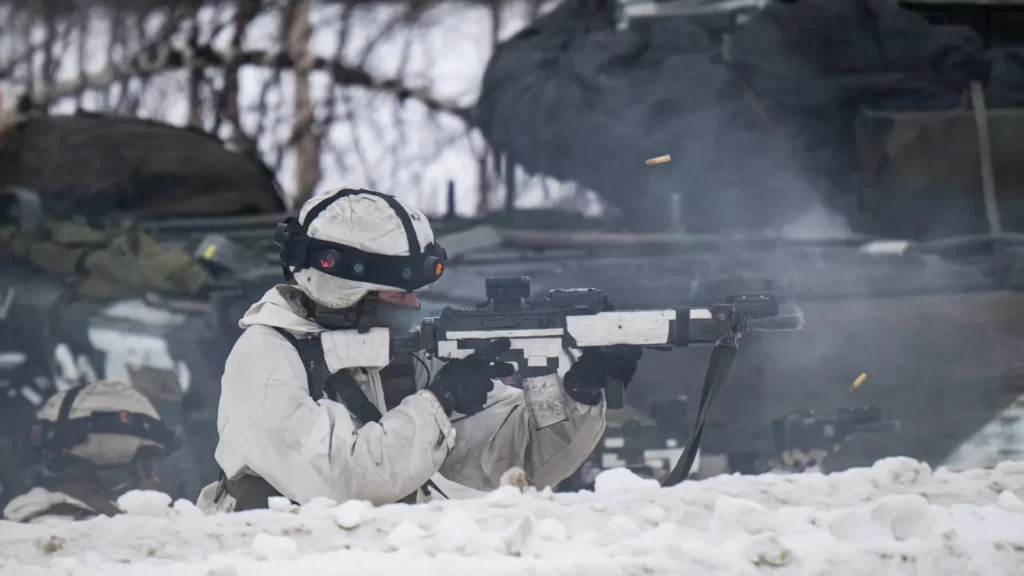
<point x="62" y="509"/>
<point x="312" y="354"/>
<point x="398" y="380"/>
<point x="339" y="386"/>
<point x="353" y="397"/>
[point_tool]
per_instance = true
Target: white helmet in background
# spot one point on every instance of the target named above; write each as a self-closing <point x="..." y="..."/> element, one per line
<point x="105" y="423"/>
<point x="348" y="243"/>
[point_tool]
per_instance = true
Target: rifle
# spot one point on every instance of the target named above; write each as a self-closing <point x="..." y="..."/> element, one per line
<point x="800" y="439"/>
<point x="791" y="443"/>
<point x="544" y="331"/>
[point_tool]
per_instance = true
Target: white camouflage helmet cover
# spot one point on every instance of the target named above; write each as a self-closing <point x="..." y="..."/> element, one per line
<point x="363" y="221"/>
<point x="104" y="449"/>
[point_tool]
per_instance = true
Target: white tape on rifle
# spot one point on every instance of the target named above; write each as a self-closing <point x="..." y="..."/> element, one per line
<point x="491" y="334"/>
<point x="636" y="327"/>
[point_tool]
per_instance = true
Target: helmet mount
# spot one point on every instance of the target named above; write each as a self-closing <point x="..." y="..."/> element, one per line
<point x="300" y="252"/>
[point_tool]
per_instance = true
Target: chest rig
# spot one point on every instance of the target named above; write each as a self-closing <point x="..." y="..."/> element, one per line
<point x="398" y="380"/>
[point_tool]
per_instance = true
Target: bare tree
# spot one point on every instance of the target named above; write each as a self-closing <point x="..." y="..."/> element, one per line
<point x="244" y="13"/>
<point x="254" y="72"/>
<point x="195" y="72"/>
<point x="307" y="149"/>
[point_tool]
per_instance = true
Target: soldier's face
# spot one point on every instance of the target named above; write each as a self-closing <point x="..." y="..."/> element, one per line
<point x="403" y="299"/>
<point x="396" y="310"/>
<point x="147" y="471"/>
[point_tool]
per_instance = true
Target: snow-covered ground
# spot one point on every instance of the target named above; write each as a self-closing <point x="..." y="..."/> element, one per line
<point x="1001" y="439"/>
<point x="898" y="517"/>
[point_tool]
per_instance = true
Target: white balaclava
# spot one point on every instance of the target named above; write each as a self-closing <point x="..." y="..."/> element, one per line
<point x="363" y="221"/>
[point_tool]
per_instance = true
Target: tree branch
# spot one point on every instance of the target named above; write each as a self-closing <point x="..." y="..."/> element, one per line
<point x="160" y="59"/>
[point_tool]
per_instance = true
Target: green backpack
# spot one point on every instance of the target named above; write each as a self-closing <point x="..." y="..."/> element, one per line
<point x="103" y="264"/>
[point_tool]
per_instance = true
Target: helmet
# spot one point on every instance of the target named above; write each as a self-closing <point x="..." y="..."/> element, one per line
<point x="348" y="243"/>
<point x="105" y="423"/>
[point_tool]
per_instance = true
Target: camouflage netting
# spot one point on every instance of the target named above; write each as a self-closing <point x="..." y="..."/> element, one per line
<point x="918" y="163"/>
<point x="572" y="98"/>
<point x="94" y="166"/>
<point x="753" y="141"/>
<point x="1006" y="85"/>
<point x="99" y="264"/>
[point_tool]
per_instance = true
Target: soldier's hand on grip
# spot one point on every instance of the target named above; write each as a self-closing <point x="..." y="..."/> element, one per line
<point x="590" y="374"/>
<point x="463" y="385"/>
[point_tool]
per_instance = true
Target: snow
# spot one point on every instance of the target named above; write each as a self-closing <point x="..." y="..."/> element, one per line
<point x="279" y="504"/>
<point x="317" y="504"/>
<point x="622" y="480"/>
<point x="406" y="534"/>
<point x="1010" y="502"/>
<point x="350" y="514"/>
<point x="146" y="503"/>
<point x="1001" y="439"/>
<point x="266" y="546"/>
<point x="897" y="517"/>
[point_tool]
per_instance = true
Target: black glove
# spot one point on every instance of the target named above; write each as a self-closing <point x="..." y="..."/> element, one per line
<point x="462" y="385"/>
<point x="590" y="374"/>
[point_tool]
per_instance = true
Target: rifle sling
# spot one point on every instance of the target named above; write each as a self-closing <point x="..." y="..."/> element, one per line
<point x="62" y="509"/>
<point x="83" y="491"/>
<point x="722" y="357"/>
<point x="339" y="386"/>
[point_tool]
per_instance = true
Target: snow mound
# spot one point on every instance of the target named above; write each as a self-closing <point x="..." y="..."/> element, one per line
<point x="315" y="505"/>
<point x="350" y="514"/>
<point x="457" y="525"/>
<point x="897" y="517"/>
<point x="514" y="477"/>
<point x="406" y="534"/>
<point x="622" y="480"/>
<point x="280" y="504"/>
<point x="552" y="529"/>
<point x="267" y="546"/>
<point x="903" y="517"/>
<point x="186" y="508"/>
<point x="145" y="503"/>
<point x="1009" y="501"/>
<point x="522" y="540"/>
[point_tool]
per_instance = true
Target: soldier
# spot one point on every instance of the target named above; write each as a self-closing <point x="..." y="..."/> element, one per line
<point x="304" y="410"/>
<point x="97" y="441"/>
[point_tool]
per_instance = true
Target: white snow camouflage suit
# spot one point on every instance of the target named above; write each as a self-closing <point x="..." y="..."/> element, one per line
<point x="269" y="425"/>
